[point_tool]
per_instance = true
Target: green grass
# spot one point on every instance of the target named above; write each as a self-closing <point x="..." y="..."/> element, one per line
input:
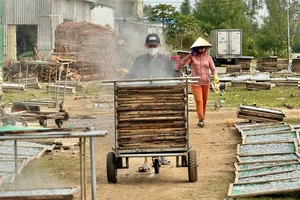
<point x="274" y="98"/>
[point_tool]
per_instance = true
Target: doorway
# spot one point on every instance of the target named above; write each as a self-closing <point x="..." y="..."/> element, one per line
<point x="26" y="36"/>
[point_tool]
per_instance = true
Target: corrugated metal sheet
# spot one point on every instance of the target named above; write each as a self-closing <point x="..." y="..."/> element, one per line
<point x="20" y="11"/>
<point x="44" y="25"/>
<point x="46" y="14"/>
<point x="103" y="15"/>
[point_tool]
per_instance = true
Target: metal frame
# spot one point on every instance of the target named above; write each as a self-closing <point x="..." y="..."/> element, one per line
<point x="153" y="152"/>
<point x="81" y="133"/>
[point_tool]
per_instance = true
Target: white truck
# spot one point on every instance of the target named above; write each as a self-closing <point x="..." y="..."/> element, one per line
<point x="227" y="45"/>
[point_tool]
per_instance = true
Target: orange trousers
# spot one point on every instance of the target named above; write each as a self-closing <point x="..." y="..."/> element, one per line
<point x="201" y="96"/>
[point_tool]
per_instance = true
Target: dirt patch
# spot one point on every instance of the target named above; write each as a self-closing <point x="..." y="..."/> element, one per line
<point x="215" y="145"/>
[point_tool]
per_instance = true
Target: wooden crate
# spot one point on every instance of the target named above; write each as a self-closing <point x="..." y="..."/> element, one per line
<point x="151" y="117"/>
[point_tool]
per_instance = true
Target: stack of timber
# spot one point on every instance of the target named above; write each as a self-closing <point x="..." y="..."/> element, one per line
<point x="151" y="118"/>
<point x="12" y="87"/>
<point x="296" y="65"/>
<point x="61" y="89"/>
<point x="250" y="85"/>
<point x="245" y="63"/>
<point x="84" y="42"/>
<point x="257" y="114"/>
<point x="282" y="64"/>
<point x="31" y="83"/>
<point x="74" y="84"/>
<point x="268" y="64"/>
<point x="233" y="69"/>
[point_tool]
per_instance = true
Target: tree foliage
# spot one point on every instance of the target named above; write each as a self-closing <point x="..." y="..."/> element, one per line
<point x="146" y="10"/>
<point x="163" y="13"/>
<point x="262" y="36"/>
<point x="184" y="29"/>
<point x="185" y="7"/>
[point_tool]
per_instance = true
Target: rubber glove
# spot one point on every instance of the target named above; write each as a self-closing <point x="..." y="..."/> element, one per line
<point x="216" y="80"/>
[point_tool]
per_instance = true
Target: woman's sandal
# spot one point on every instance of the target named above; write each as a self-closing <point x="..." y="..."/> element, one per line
<point x="144" y="168"/>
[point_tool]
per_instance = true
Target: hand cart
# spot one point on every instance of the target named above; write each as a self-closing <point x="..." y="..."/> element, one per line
<point x="151" y="120"/>
<point x="32" y="108"/>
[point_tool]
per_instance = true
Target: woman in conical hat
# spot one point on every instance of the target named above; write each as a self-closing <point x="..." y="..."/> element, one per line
<point x="201" y="65"/>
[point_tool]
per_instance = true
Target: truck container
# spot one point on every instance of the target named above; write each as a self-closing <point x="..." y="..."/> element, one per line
<point x="227" y="46"/>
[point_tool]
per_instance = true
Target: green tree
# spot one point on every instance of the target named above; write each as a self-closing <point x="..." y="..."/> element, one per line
<point x="163" y="13"/>
<point x="229" y="14"/>
<point x="185" y="7"/>
<point x="146" y="10"/>
<point x="272" y="37"/>
<point x="183" y="31"/>
<point x="294" y="10"/>
<point x="222" y="14"/>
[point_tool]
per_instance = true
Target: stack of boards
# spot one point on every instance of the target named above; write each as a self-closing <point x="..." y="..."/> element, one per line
<point x="267" y="160"/>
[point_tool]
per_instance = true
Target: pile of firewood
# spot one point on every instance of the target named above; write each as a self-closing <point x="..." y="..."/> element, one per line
<point x="91" y="47"/>
<point x="15" y="70"/>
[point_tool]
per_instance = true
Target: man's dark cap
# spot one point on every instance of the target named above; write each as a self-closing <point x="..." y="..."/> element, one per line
<point x="152" y="39"/>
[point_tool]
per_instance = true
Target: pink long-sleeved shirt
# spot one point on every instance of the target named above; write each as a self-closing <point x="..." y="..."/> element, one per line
<point x="200" y="66"/>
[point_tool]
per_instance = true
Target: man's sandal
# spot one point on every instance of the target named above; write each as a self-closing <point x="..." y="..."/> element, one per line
<point x="164" y="161"/>
<point x="144" y="168"/>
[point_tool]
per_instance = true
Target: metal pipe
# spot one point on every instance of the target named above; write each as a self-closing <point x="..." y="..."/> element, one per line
<point x="16" y="164"/>
<point x="84" y="167"/>
<point x="81" y="174"/>
<point x="288" y="33"/>
<point x="93" y="168"/>
<point x="153" y="79"/>
<point x="59" y="77"/>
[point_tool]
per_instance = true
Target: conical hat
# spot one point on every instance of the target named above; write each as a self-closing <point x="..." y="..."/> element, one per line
<point x="200" y="42"/>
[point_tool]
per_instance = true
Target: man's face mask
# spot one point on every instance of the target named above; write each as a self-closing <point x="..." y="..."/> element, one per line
<point x="153" y="50"/>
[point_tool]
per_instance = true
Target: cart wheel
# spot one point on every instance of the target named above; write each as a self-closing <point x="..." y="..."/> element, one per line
<point x="192" y="167"/>
<point x="8" y="121"/>
<point x="34" y="108"/>
<point x="24" y="124"/>
<point x="111" y="169"/>
<point x="11" y="121"/>
<point x="66" y="116"/>
<point x="58" y="122"/>
<point x="43" y="122"/>
<point x="2" y="112"/>
<point x="17" y="107"/>
<point x="156" y="166"/>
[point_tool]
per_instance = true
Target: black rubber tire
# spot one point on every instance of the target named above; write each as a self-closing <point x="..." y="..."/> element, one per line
<point x="111" y="168"/>
<point x="66" y="116"/>
<point x="34" y="108"/>
<point x="59" y="122"/>
<point x="17" y="107"/>
<point x="192" y="166"/>
<point x="43" y="122"/>
<point x="156" y="166"/>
